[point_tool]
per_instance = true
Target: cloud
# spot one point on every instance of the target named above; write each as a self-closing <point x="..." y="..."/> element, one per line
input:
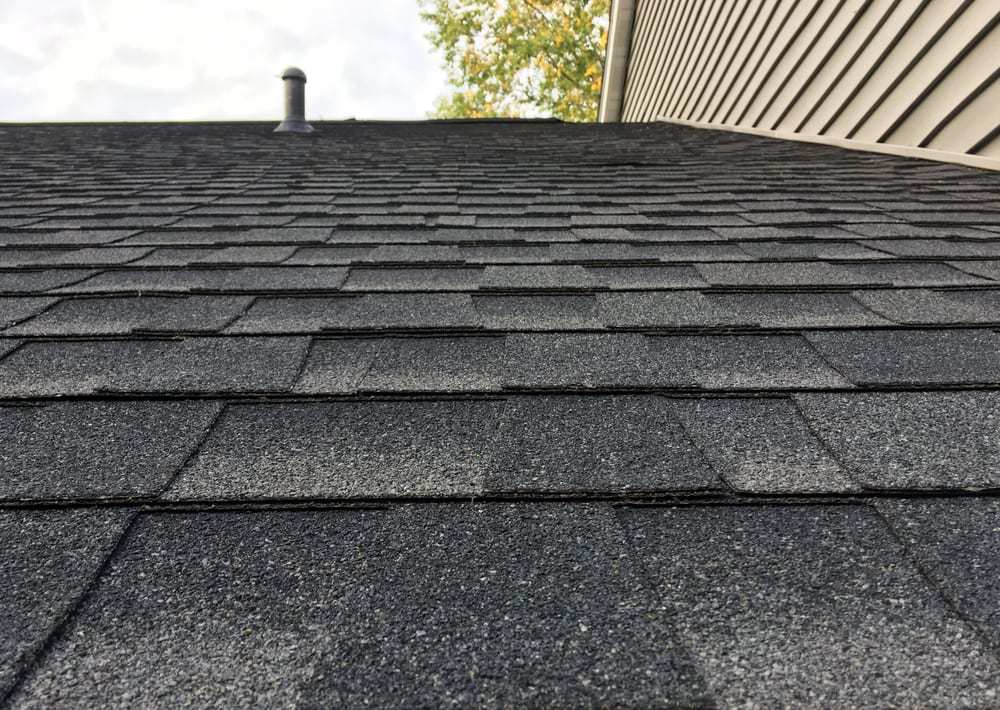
<point x="214" y="59"/>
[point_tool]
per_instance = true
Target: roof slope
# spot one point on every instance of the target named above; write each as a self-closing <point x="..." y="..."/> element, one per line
<point x="494" y="414"/>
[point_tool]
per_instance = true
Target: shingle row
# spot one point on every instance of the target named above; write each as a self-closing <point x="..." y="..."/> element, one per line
<point x="575" y="444"/>
<point x="812" y="360"/>
<point x="486" y="605"/>
<point x="270" y="315"/>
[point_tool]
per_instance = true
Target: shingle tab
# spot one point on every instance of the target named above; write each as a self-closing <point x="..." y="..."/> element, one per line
<point x="761" y="446"/>
<point x="136" y="366"/>
<point x="824" y="249"/>
<point x="451" y="364"/>
<point x="336" y="365"/>
<point x="779" y="274"/>
<point x="542" y="312"/>
<point x="377" y="311"/>
<point x="917" y="273"/>
<point x="507" y="254"/>
<point x="24" y="280"/>
<point x="97" y="449"/>
<point x="908" y="357"/>
<point x="595" y="444"/>
<point x="661" y="309"/>
<point x="987" y="269"/>
<point x="94" y="256"/>
<point x="428" y="279"/>
<point x="742" y="362"/>
<point x="160" y="280"/>
<point x="924" y="306"/>
<point x="537" y="277"/>
<point x="344" y="450"/>
<point x="911" y="440"/>
<point x="65" y="237"/>
<point x="339" y="255"/>
<point x="794" y="310"/>
<point x="198" y="235"/>
<point x="578" y="361"/>
<point x="628" y="277"/>
<point x="808" y="607"/>
<point x="415" y="253"/>
<point x="14" y="310"/>
<point x="49" y="558"/>
<point x="114" y="316"/>
<point x="955" y="543"/>
<point x="460" y="593"/>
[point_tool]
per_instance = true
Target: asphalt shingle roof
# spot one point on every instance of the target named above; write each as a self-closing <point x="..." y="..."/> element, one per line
<point x="494" y="414"/>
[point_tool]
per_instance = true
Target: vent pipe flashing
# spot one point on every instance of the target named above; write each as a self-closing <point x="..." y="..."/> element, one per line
<point x="295" y="102"/>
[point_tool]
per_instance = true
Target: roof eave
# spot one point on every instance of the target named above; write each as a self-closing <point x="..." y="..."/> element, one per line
<point x="616" y="60"/>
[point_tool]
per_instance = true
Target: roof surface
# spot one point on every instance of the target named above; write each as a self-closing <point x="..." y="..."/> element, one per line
<point x="494" y="414"/>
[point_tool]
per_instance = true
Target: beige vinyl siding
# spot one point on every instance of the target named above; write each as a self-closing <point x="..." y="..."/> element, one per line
<point x="915" y="73"/>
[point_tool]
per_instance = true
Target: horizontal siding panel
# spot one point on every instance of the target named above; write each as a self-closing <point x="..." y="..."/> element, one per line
<point x="917" y="73"/>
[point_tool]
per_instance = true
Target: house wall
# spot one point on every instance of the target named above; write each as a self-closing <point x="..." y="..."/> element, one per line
<point x="916" y="73"/>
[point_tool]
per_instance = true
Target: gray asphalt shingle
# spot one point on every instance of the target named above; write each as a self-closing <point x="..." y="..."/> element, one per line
<point x="912" y="357"/>
<point x="14" y="310"/>
<point x="124" y="315"/>
<point x="451" y="364"/>
<point x="718" y="285"/>
<point x="761" y="446"/>
<point x="49" y="558"/>
<point x="541" y="312"/>
<point x="336" y="365"/>
<point x="924" y="306"/>
<point x="97" y="449"/>
<point x="955" y="543"/>
<point x="911" y="440"/>
<point x="426" y="279"/>
<point x="24" y="280"/>
<point x="369" y="312"/>
<point x="794" y="310"/>
<point x="628" y="277"/>
<point x="537" y="277"/>
<point x="587" y="444"/>
<point x="787" y="606"/>
<point x="479" y="606"/>
<point x="578" y="361"/>
<point x="742" y="362"/>
<point x="343" y="450"/>
<point x="664" y="309"/>
<point x="145" y="366"/>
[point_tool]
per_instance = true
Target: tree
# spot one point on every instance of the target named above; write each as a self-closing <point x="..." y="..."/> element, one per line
<point x="520" y="57"/>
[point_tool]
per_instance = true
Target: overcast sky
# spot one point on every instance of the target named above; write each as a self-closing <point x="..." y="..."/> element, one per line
<point x="212" y="59"/>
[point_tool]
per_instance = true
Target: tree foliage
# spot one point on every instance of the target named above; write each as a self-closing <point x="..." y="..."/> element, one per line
<point x="520" y="57"/>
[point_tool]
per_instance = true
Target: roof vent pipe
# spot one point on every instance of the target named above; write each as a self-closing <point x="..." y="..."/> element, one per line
<point x="295" y="102"/>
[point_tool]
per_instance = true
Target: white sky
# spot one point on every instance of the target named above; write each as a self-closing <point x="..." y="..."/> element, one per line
<point x="173" y="60"/>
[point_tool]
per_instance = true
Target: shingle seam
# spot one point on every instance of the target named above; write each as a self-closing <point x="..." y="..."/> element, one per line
<point x="693" y="443"/>
<point x="848" y="471"/>
<point x="649" y="581"/>
<point x="263" y="397"/>
<point x="300" y="371"/>
<point x="139" y="335"/>
<point x="693" y="498"/>
<point x="195" y="448"/>
<point x="251" y="302"/>
<point x="63" y="620"/>
<point x="938" y="590"/>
